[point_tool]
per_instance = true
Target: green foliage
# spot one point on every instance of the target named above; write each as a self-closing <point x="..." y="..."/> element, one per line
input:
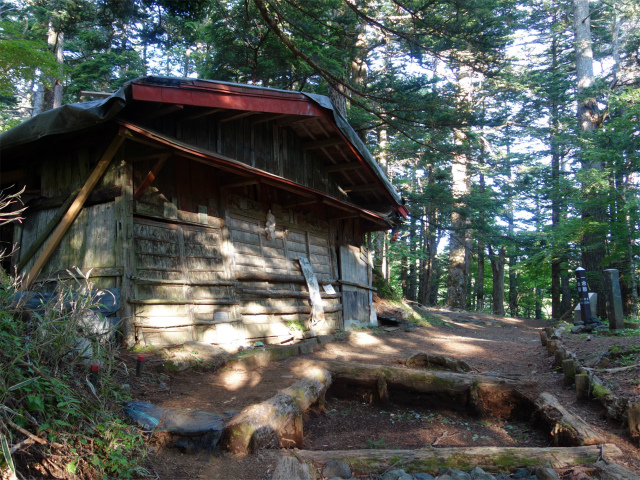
<point x="384" y="290"/>
<point x="20" y="57"/>
<point x="44" y="386"/>
<point x="296" y="325"/>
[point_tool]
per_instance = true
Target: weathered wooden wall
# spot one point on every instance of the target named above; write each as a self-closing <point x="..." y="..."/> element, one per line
<point x="191" y="254"/>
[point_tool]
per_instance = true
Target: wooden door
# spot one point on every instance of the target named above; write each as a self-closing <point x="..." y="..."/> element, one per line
<point x="355" y="272"/>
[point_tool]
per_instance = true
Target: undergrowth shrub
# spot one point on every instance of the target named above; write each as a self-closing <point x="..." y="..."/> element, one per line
<point x="48" y="406"/>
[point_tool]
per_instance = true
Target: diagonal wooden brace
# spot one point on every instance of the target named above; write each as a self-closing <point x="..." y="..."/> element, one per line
<point x="74" y="210"/>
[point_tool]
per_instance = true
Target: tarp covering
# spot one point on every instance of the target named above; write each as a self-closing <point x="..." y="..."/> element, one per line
<point x="105" y="301"/>
<point x="65" y="119"/>
<point x="197" y="429"/>
<point x="79" y="116"/>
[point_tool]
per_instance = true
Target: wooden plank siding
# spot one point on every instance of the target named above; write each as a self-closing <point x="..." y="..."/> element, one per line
<point x="253" y="252"/>
<point x="180" y="281"/>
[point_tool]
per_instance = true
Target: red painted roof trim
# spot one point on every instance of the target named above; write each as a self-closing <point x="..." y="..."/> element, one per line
<point x="230" y="98"/>
<point x="235" y="166"/>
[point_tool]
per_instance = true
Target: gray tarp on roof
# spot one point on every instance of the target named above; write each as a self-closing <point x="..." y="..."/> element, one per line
<point x="79" y="116"/>
<point x="65" y="119"/>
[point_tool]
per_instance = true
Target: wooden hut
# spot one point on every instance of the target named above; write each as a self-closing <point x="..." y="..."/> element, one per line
<point x="197" y="201"/>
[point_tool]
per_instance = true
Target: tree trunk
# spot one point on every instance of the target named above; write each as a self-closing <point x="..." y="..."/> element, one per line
<point x="593" y="212"/>
<point x="382" y="236"/>
<point x="412" y="278"/>
<point x="497" y="270"/>
<point x="55" y="40"/>
<point x="513" y="288"/>
<point x="538" y="313"/>
<point x="458" y="253"/>
<point x="481" y="246"/>
<point x="338" y="100"/>
<point x="460" y="237"/>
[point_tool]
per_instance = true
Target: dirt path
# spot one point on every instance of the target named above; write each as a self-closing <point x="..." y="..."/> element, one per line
<point x="491" y="345"/>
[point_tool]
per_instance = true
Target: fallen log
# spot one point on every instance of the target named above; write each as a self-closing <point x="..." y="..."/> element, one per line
<point x="488" y="458"/>
<point x="479" y="393"/>
<point x="277" y="421"/>
<point x="425" y="360"/>
<point x="566" y="428"/>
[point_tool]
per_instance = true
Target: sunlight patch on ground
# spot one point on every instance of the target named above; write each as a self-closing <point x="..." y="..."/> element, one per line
<point x="364" y="339"/>
<point x="236" y="379"/>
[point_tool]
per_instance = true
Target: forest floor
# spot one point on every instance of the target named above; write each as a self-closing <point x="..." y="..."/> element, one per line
<point x="492" y="345"/>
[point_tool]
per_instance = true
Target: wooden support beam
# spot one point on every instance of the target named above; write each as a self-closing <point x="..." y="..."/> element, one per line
<point x="288" y="188"/>
<point x="72" y="273"/>
<point x="204" y="113"/>
<point x="327" y="142"/>
<point x="360" y="188"/>
<point x="151" y="176"/>
<point x="341" y="167"/>
<point x="357" y="285"/>
<point x="144" y="141"/>
<point x="199" y="283"/>
<point x="237" y="116"/>
<point x="302" y="204"/>
<point x="242" y="183"/>
<point x="286" y="310"/>
<point x="252" y="292"/>
<point x="161" y="112"/>
<point x="164" y="301"/>
<point x="73" y="211"/>
<point x="153" y="156"/>
<point x="96" y="197"/>
<point x="268" y="118"/>
<point x="345" y="216"/>
<point x="276" y="278"/>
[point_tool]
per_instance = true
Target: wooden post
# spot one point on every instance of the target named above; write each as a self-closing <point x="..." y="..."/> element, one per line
<point x="125" y="252"/>
<point x="633" y="412"/>
<point x="73" y="211"/>
<point x="569" y="369"/>
<point x="552" y="346"/>
<point x="561" y="355"/>
<point x="383" y="391"/>
<point x="543" y="338"/>
<point x="582" y="386"/>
